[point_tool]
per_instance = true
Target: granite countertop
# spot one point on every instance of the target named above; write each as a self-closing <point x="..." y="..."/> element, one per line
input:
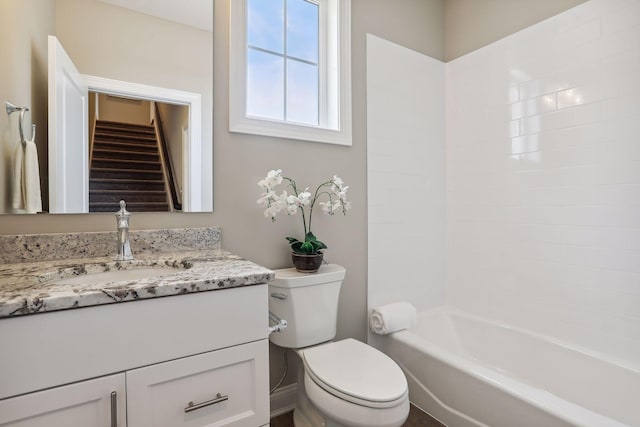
<point x="28" y="287"/>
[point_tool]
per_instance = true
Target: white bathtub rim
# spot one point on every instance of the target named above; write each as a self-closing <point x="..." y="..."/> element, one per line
<point x="442" y="404"/>
<point x="539" y="398"/>
<point x="618" y="362"/>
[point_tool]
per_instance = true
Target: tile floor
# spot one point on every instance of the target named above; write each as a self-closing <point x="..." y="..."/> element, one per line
<point x="417" y="418"/>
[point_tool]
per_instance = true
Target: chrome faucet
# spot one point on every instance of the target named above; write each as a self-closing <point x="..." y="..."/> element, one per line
<point x="122" y="220"/>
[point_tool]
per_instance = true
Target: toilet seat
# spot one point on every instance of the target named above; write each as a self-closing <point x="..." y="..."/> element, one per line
<point x="356" y="373"/>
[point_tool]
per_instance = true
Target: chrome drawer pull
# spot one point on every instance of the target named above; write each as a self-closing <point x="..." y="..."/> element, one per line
<point x="219" y="398"/>
<point x="114" y="409"/>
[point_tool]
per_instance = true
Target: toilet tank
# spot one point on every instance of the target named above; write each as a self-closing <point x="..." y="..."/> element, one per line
<point x="309" y="304"/>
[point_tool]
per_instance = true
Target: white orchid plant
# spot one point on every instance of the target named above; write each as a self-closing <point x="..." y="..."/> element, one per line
<point x="334" y="191"/>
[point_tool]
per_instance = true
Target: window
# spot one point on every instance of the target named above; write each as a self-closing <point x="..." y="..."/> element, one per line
<point x="290" y="69"/>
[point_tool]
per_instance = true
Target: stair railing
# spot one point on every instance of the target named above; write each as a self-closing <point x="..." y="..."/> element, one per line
<point x="167" y="164"/>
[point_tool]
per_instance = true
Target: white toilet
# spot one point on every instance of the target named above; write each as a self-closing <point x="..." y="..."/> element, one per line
<point x="341" y="383"/>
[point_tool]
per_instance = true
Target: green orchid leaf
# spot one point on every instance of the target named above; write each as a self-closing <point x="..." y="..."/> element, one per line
<point x="297" y="247"/>
<point x="320" y="245"/>
<point x="310" y="237"/>
<point x="307" y="248"/>
<point x="291" y="239"/>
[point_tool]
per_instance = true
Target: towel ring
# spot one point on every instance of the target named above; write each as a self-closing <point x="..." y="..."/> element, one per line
<point x="12" y="108"/>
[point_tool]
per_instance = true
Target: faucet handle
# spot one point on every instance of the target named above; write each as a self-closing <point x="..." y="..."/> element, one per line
<point x="122" y="216"/>
<point x="122" y="222"/>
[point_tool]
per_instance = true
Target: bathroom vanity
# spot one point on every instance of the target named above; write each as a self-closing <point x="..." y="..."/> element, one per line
<point x="185" y="348"/>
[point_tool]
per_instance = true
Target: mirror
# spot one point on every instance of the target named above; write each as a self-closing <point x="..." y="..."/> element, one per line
<point x="144" y="47"/>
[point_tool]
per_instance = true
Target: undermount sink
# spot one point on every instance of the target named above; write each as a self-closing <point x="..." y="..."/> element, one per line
<point x="116" y="276"/>
<point x="102" y="273"/>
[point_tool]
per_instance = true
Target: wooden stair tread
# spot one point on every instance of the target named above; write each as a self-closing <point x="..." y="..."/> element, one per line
<point x="118" y="145"/>
<point x="122" y="124"/>
<point x="135" y="139"/>
<point x="125" y="155"/>
<point x="132" y="205"/>
<point x="101" y="169"/>
<point x="126" y="164"/>
<point x="125" y="180"/>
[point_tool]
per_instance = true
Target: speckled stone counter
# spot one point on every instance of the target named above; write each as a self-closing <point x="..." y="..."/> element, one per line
<point x="31" y="264"/>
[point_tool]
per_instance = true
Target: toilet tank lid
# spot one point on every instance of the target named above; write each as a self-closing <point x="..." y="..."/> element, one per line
<point x="291" y="278"/>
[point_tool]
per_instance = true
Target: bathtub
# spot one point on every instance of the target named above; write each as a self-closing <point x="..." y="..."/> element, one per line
<point x="467" y="371"/>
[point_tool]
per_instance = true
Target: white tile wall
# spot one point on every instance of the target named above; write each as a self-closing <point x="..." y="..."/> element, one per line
<point x="543" y="178"/>
<point x="405" y="163"/>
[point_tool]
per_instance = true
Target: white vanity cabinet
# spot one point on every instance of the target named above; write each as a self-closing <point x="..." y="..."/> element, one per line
<point x="194" y="360"/>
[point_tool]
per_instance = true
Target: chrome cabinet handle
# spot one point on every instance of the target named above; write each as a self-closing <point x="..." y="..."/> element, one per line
<point x="195" y="406"/>
<point x="114" y="409"/>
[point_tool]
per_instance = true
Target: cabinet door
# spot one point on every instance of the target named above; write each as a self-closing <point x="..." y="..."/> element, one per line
<point x="83" y="404"/>
<point x="228" y="387"/>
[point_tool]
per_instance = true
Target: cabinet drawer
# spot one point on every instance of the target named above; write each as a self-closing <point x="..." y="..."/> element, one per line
<point x="93" y="403"/>
<point x="228" y="387"/>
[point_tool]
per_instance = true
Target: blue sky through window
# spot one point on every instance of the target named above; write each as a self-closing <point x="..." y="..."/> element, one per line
<point x="265" y="27"/>
<point x="265" y="85"/>
<point x="267" y="94"/>
<point x="302" y="92"/>
<point x="302" y="30"/>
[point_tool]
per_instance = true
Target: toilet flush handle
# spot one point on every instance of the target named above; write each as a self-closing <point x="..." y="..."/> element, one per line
<point x="280" y="324"/>
<point x="279" y="295"/>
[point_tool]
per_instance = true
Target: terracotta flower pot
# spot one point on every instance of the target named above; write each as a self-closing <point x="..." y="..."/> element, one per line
<point x="307" y="263"/>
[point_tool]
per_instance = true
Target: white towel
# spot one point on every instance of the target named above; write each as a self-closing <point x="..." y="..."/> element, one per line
<point x="392" y="317"/>
<point x="26" y="179"/>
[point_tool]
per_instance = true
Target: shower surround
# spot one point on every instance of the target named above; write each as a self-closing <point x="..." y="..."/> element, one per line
<point x="539" y="196"/>
<point x="543" y="179"/>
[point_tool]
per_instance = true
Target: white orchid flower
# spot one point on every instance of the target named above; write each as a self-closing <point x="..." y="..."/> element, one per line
<point x="305" y="197"/>
<point x="326" y="207"/>
<point x="271" y="212"/>
<point x="274" y="177"/>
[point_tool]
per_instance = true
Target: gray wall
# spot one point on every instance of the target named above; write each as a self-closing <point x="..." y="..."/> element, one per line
<point x="174" y="119"/>
<point x="471" y="24"/>
<point x="126" y="110"/>
<point x="24" y="26"/>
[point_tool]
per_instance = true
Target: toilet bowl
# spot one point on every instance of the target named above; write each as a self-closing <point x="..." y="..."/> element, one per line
<point x="342" y="383"/>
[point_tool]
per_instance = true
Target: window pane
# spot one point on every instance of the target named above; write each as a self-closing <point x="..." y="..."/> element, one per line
<point x="265" y="85"/>
<point x="302" y="30"/>
<point x="302" y="92"/>
<point x="265" y="24"/>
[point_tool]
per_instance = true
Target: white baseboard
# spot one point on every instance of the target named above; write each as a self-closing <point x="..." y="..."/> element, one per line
<point x="283" y="400"/>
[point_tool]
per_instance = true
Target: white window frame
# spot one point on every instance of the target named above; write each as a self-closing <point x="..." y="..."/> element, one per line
<point x="335" y="79"/>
